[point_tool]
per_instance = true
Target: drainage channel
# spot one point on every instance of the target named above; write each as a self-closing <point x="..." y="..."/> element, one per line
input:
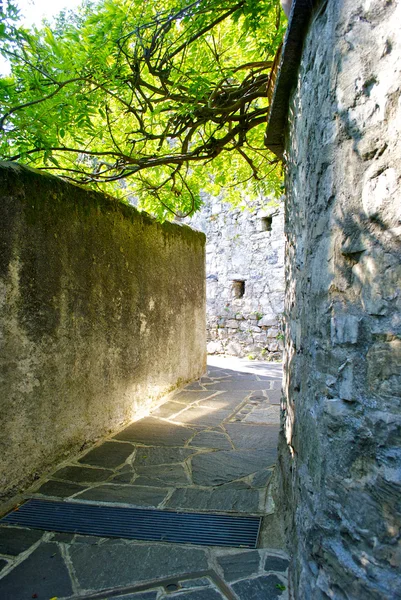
<point x="137" y="524"/>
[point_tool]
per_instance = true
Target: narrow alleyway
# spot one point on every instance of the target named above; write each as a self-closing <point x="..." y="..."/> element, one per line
<point x="209" y="449"/>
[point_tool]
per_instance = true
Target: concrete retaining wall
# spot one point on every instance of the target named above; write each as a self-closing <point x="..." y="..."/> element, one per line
<point x="102" y="313"/>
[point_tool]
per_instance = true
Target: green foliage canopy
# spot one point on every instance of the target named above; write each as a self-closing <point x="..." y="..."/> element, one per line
<point x="169" y="96"/>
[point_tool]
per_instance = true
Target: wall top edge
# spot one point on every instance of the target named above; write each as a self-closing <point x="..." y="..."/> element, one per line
<point x="291" y="52"/>
<point x="26" y="175"/>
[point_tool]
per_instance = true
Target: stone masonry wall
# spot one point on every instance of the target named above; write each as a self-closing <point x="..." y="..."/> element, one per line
<point x="102" y="313"/>
<point x="244" y="246"/>
<point x="340" y="458"/>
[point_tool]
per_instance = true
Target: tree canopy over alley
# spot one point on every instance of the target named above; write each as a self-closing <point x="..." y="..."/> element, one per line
<point x="168" y="95"/>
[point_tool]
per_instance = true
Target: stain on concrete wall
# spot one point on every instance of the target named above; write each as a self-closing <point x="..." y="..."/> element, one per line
<point x="340" y="460"/>
<point x="102" y="312"/>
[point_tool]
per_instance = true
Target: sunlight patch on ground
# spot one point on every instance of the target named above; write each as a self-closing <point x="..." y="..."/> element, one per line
<point x="244" y="365"/>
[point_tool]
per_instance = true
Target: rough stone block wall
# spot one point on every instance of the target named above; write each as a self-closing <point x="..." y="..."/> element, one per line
<point x="102" y="313"/>
<point x="244" y="246"/>
<point x="340" y="459"/>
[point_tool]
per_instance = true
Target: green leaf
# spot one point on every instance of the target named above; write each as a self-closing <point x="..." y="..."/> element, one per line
<point x="134" y="84"/>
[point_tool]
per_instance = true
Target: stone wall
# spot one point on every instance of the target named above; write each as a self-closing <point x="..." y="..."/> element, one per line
<point x="102" y="313"/>
<point x="244" y="257"/>
<point x="340" y="448"/>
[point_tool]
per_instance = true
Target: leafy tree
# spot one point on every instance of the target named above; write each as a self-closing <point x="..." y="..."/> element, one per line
<point x="169" y="96"/>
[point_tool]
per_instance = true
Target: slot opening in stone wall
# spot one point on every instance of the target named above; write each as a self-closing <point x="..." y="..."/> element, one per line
<point x="238" y="288"/>
<point x="267" y="223"/>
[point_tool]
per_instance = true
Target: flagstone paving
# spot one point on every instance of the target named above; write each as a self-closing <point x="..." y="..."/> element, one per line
<point x="211" y="448"/>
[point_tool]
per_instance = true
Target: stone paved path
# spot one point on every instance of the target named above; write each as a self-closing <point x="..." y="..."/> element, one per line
<point x="211" y="448"/>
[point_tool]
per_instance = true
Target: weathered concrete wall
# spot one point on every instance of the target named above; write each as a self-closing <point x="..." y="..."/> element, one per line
<point x="340" y="452"/>
<point x="244" y="245"/>
<point x="102" y="312"/>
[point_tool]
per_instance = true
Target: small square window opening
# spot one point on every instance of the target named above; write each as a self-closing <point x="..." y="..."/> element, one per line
<point x="267" y="223"/>
<point x="238" y="288"/>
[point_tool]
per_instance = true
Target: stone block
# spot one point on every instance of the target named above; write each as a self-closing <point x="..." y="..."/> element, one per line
<point x="234" y="348"/>
<point x="267" y="321"/>
<point x="215" y="347"/>
<point x="384" y="367"/>
<point x="344" y="329"/>
<point x="232" y="324"/>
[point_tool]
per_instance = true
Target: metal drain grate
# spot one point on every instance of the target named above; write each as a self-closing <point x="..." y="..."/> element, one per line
<point x="137" y="523"/>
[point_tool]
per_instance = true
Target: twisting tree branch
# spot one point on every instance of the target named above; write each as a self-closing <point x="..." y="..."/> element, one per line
<point x="140" y="107"/>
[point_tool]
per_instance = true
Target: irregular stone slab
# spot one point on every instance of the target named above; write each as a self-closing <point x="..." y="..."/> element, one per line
<point x="60" y="489"/>
<point x="125" y="494"/>
<point x="42" y="575"/>
<point x="171" y="475"/>
<point x="194" y="386"/>
<point x="14" y="540"/>
<point x="228" y="500"/>
<point x="113" y="563"/>
<point x="257" y="397"/>
<point x="161" y="455"/>
<point x="83" y="474"/>
<point x="168" y="409"/>
<point x="276" y="384"/>
<point x="201" y="415"/>
<point x="88" y="539"/>
<point x="155" y="433"/>
<point x="64" y="538"/>
<point x="240" y="484"/>
<point x="138" y="596"/>
<point x="269" y="415"/>
<point x="3" y="564"/>
<point x="191" y="397"/>
<point x="262" y="478"/>
<point x="215" y="468"/>
<point x="203" y="594"/>
<point x="260" y="588"/>
<point x="109" y="455"/>
<point x="225" y="400"/>
<point x="274" y="396"/>
<point x="253" y="436"/>
<point x="147" y="482"/>
<point x="195" y="583"/>
<point x="125" y="477"/>
<point x="239" y="566"/>
<point x="276" y="563"/>
<point x="211" y="439"/>
<point x="243" y="383"/>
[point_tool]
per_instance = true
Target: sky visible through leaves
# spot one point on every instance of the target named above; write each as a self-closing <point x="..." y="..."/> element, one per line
<point x="137" y="98"/>
<point x="34" y="11"/>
